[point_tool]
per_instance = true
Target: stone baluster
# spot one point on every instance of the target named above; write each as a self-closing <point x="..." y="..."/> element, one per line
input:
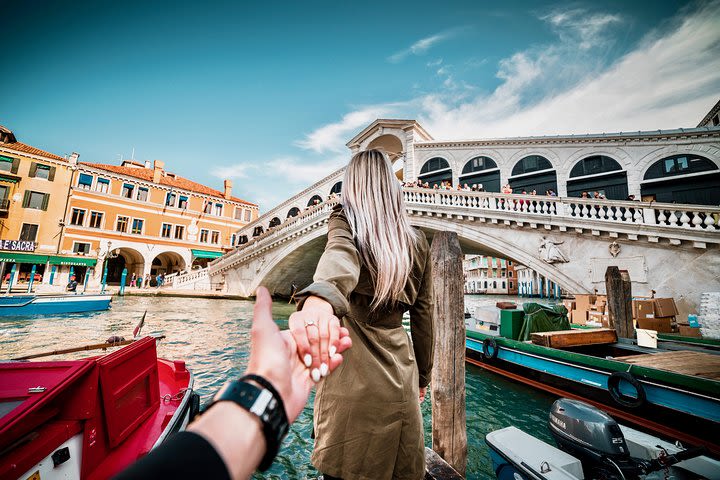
<point x="709" y="222"/>
<point x="696" y="220"/>
<point x="684" y="220"/>
<point x="672" y="219"/>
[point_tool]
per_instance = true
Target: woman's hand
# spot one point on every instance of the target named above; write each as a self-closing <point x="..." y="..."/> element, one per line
<point x="423" y="394"/>
<point x="319" y="337"/>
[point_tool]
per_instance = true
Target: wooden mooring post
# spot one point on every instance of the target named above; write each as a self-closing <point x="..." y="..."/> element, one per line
<point x="449" y="435"/>
<point x="619" y="301"/>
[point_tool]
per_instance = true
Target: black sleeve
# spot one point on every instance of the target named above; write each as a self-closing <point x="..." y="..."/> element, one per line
<point x="184" y="455"/>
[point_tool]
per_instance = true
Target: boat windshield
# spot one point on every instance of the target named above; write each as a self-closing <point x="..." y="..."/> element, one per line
<point x="8" y="406"/>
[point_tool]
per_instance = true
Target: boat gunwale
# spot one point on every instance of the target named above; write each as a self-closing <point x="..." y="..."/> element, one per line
<point x="704" y="386"/>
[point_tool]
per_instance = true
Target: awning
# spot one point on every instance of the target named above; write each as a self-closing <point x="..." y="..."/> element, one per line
<point x="206" y="254"/>
<point x="15" y="257"/>
<point x="9" y="178"/>
<point x="74" y="261"/>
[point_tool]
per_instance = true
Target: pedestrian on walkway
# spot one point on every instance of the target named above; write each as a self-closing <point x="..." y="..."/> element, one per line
<point x="133" y="280"/>
<point x="147" y="280"/>
<point x="375" y="267"/>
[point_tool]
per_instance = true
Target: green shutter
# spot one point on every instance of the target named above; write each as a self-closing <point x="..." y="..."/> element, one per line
<point x="15" y="165"/>
<point x="26" y="199"/>
<point x="33" y="169"/>
<point x="51" y="174"/>
<point x="45" y="201"/>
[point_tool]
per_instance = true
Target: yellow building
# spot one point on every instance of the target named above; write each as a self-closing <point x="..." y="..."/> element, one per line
<point x="33" y="194"/>
<point x="141" y="217"/>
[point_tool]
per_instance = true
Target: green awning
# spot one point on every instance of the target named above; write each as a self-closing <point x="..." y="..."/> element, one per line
<point x="74" y="261"/>
<point x="206" y="254"/>
<point x="9" y="178"/>
<point x="16" y="257"/>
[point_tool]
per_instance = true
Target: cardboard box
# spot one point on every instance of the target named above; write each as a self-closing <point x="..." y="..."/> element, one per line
<point x="688" y="331"/>
<point x="598" y="317"/>
<point x="643" y="308"/>
<point x="579" y="317"/>
<point x="584" y="301"/>
<point x="665" y="307"/>
<point x="659" y="324"/>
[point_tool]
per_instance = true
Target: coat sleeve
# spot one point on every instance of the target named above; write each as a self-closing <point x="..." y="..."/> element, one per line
<point x="421" y="325"/>
<point x="338" y="270"/>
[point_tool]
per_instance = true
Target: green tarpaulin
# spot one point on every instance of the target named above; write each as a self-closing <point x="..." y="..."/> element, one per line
<point x="543" y="318"/>
<point x="15" y="257"/>
<point x="206" y="254"/>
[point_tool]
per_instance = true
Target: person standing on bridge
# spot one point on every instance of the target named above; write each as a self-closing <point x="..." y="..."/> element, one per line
<point x="375" y="267"/>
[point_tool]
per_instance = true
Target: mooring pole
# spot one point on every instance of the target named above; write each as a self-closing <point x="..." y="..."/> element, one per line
<point x="449" y="437"/>
<point x="619" y="301"/>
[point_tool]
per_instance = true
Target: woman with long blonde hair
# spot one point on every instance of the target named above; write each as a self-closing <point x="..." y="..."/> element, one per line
<point x="375" y="267"/>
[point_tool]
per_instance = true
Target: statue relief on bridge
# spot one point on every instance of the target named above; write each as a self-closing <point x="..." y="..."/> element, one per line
<point x="550" y="252"/>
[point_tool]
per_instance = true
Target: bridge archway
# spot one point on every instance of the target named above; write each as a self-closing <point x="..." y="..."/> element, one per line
<point x="392" y="146"/>
<point x="293" y="212"/>
<point x="435" y="171"/>
<point x="336" y="188"/>
<point x="682" y="178"/>
<point x="274" y="222"/>
<point x="481" y="170"/>
<point x="533" y="172"/>
<point x="598" y="173"/>
<point x="315" y="200"/>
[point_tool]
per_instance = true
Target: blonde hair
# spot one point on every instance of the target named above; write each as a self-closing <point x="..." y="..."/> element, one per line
<point x="373" y="203"/>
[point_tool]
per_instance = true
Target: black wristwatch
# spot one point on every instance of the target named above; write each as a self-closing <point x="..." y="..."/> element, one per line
<point x="263" y="402"/>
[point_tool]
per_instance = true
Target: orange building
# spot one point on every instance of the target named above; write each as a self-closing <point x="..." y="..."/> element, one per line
<point x="141" y="217"/>
<point x="34" y="187"/>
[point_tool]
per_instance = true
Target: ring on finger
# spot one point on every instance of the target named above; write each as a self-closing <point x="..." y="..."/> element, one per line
<point x="309" y="322"/>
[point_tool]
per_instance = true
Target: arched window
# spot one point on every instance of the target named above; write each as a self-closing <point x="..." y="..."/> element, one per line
<point x="435" y="171"/>
<point x="682" y="178"/>
<point x="598" y="173"/>
<point x="258" y="231"/>
<point x="594" y="165"/>
<point x="293" y="212"/>
<point x="531" y="163"/>
<point x="315" y="200"/>
<point x="275" y="222"/>
<point x="337" y="188"/>
<point x="482" y="172"/>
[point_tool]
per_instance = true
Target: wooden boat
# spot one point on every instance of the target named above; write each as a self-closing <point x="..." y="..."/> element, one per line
<point x="90" y="418"/>
<point x="11" y="305"/>
<point x="673" y="390"/>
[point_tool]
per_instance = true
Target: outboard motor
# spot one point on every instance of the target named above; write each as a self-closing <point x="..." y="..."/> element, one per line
<point x="594" y="438"/>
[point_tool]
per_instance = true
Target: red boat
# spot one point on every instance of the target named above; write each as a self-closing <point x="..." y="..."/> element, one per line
<point x="90" y="418"/>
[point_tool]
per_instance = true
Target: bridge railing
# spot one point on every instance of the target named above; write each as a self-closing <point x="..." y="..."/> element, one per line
<point x="698" y="217"/>
<point x="519" y="208"/>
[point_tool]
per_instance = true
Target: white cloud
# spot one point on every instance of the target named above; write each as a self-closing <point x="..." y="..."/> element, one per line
<point x="239" y="170"/>
<point x="581" y="27"/>
<point x="333" y="136"/>
<point x="302" y="173"/>
<point x="423" y="45"/>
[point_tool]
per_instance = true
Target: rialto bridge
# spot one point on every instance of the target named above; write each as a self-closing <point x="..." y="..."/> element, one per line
<point x="672" y="248"/>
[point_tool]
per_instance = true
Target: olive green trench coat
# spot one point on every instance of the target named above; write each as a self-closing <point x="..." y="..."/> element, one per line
<point x="367" y="417"/>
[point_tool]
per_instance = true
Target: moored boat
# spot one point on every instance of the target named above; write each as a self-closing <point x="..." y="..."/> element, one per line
<point x="90" y="418"/>
<point x="680" y="406"/>
<point x="26" y="305"/>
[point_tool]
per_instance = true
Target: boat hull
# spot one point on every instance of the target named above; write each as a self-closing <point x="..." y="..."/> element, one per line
<point x="669" y="410"/>
<point x="28" y="305"/>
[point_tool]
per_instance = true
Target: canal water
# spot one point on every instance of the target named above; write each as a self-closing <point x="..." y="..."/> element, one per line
<point x="213" y="337"/>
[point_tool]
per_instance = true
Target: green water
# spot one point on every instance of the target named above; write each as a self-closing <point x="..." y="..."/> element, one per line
<point x="212" y="336"/>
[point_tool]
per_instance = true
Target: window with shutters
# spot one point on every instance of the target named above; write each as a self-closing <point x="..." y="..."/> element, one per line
<point x="85" y="181"/>
<point x="127" y="190"/>
<point x="208" y="207"/>
<point x="137" y="226"/>
<point x="46" y="172"/>
<point x="81" y="247"/>
<point x="36" y="200"/>
<point x="28" y="232"/>
<point x="122" y="223"/>
<point x="238" y="213"/>
<point x="170" y="199"/>
<point x="217" y="211"/>
<point x="204" y="235"/>
<point x="77" y="217"/>
<point x="102" y="185"/>
<point x="166" y="230"/>
<point x="179" y="232"/>
<point x="183" y="202"/>
<point x="248" y="215"/>
<point x="6" y="164"/>
<point x="96" y="220"/>
<point x="215" y="237"/>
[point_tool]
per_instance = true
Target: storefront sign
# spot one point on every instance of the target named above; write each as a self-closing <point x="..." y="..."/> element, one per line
<point x="17" y="246"/>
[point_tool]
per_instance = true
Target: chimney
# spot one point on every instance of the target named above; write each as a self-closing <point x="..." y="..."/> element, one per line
<point x="158" y="170"/>
<point x="228" y="189"/>
<point x="147" y="164"/>
<point x="73" y="160"/>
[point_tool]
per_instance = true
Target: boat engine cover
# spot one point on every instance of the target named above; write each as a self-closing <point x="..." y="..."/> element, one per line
<point x="587" y="427"/>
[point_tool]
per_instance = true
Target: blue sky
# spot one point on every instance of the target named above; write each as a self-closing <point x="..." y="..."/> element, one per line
<point x="267" y="93"/>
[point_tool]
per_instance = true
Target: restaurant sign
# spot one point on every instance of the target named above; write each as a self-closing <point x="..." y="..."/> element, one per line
<point x="17" y="246"/>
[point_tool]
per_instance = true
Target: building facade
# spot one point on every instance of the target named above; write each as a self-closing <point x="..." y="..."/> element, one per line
<point x="62" y="217"/>
<point x="489" y="275"/>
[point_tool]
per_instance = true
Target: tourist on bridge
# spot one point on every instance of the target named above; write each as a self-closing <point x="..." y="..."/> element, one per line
<point x="374" y="268"/>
